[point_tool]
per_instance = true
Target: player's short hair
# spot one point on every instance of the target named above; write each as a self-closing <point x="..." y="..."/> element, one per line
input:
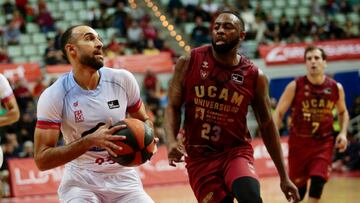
<point x="312" y="48"/>
<point x="66" y="38"/>
<point x="235" y="13"/>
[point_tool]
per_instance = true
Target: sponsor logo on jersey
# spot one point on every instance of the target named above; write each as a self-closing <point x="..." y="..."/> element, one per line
<point x="113" y="104"/>
<point x="327" y="91"/>
<point x="204" y="74"/>
<point x="237" y="78"/>
<point x="205" y="65"/>
<point x="79" y="117"/>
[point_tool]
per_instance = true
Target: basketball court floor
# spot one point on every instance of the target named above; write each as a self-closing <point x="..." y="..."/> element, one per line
<point x="339" y="189"/>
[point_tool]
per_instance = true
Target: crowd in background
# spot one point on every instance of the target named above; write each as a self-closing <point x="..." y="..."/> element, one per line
<point x="262" y="26"/>
<point x="141" y="36"/>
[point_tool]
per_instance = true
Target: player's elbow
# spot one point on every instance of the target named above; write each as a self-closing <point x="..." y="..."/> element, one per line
<point x="41" y="163"/>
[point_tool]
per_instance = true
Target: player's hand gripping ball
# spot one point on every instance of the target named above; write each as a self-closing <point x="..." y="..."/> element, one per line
<point x="139" y="145"/>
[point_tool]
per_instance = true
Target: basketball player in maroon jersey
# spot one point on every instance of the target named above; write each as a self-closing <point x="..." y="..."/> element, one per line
<point x="312" y="99"/>
<point x="216" y="85"/>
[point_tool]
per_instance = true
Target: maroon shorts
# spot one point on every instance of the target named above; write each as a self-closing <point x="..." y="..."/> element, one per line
<point x="211" y="176"/>
<point x="309" y="157"/>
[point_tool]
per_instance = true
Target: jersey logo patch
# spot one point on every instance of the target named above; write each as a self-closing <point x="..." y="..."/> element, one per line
<point x="205" y="65"/>
<point x="113" y="104"/>
<point x="327" y="91"/>
<point x="237" y="78"/>
<point x="79" y="117"/>
<point x="204" y="74"/>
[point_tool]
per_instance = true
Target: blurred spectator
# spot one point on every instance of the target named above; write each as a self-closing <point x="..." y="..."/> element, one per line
<point x="28" y="150"/>
<point x="355" y="108"/>
<point x="4" y="57"/>
<point x="104" y="4"/>
<point x="249" y="18"/>
<point x="52" y="55"/>
<point x="351" y="30"/>
<point x="210" y="7"/>
<point x="120" y="18"/>
<point x="104" y="19"/>
<point x="38" y="88"/>
<point x="200" y="34"/>
<point x="8" y="7"/>
<point x="12" y="34"/>
<point x="284" y="28"/>
<point x="271" y="31"/>
<point x="330" y="7"/>
<point x="259" y="28"/>
<point x="22" y="94"/>
<point x="150" y="49"/>
<point x="21" y="6"/>
<point x="46" y="21"/>
<point x="114" y="48"/>
<point x="316" y="8"/>
<point x="18" y="21"/>
<point x="135" y="36"/>
<point x="149" y="31"/>
<point x="30" y="13"/>
<point x="41" y="5"/>
<point x="311" y="26"/>
<point x="344" y="6"/>
<point x="174" y="6"/>
<point x="152" y="89"/>
<point x="334" y="30"/>
<point x="199" y="11"/>
<point x="259" y="11"/>
<point x="298" y="28"/>
<point x="57" y="37"/>
<point x="93" y="18"/>
<point x="350" y="159"/>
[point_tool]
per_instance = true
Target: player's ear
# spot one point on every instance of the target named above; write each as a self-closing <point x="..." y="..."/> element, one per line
<point x="70" y="48"/>
<point x="242" y="35"/>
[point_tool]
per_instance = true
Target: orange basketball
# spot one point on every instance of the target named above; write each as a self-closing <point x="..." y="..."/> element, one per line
<point x="139" y="145"/>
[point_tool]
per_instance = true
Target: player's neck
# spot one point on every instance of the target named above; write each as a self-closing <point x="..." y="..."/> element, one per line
<point x="316" y="80"/>
<point x="228" y="59"/>
<point x="88" y="79"/>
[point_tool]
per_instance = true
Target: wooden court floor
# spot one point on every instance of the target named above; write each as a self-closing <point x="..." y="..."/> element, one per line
<point x="337" y="190"/>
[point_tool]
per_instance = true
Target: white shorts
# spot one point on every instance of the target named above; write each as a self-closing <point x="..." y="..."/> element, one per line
<point x="81" y="185"/>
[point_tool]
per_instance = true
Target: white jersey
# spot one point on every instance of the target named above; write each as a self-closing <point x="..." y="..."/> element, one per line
<point x="79" y="112"/>
<point x="5" y="88"/>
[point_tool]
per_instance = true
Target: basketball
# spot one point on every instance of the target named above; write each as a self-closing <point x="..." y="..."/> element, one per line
<point x="139" y="145"/>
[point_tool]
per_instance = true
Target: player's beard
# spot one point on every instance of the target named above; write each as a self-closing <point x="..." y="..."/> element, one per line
<point x="226" y="47"/>
<point x="92" y="62"/>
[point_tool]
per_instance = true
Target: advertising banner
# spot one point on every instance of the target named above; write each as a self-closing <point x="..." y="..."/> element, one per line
<point x="294" y="53"/>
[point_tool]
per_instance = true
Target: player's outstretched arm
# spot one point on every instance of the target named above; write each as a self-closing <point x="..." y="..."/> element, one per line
<point x="12" y="112"/>
<point x="173" y="110"/>
<point x="284" y="103"/>
<point x="270" y="136"/>
<point x="47" y="155"/>
<point x="343" y="116"/>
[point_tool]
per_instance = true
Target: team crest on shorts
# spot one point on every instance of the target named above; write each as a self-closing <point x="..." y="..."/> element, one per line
<point x="79" y="117"/>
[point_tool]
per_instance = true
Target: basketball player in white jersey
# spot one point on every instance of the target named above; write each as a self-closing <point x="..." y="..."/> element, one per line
<point x="83" y="104"/>
<point x="8" y="101"/>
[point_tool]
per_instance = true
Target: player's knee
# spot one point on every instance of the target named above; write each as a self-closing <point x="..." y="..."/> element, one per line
<point x="302" y="192"/>
<point x="246" y="190"/>
<point x="316" y="187"/>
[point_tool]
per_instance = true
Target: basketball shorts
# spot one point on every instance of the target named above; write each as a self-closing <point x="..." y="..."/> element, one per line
<point x="211" y="177"/>
<point x="309" y="157"/>
<point x="81" y="185"/>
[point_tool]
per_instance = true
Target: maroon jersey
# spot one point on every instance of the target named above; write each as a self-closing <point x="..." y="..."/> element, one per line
<point x="216" y="102"/>
<point x="311" y="110"/>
